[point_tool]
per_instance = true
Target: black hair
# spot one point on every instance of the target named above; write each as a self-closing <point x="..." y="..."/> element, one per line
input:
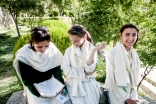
<point x="39" y="34"/>
<point x="130" y="26"/>
<point x="80" y="31"/>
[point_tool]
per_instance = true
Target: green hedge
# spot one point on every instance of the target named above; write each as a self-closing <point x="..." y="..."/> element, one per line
<point x="56" y="13"/>
<point x="66" y="13"/>
<point x="71" y="14"/>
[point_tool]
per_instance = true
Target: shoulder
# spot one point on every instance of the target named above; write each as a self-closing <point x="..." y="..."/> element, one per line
<point x="68" y="50"/>
<point x="111" y="52"/>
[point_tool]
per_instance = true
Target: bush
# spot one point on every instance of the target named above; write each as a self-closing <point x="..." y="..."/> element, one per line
<point x="66" y="13"/>
<point x="71" y="14"/>
<point x="56" y="13"/>
<point x="101" y="71"/>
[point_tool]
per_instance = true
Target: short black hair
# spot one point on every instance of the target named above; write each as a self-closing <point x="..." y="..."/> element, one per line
<point x="39" y="34"/>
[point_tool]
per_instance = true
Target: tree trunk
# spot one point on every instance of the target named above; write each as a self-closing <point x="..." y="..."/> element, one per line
<point x="146" y="72"/>
<point x="16" y="24"/>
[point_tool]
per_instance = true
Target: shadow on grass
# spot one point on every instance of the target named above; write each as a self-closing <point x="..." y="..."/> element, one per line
<point x="6" y="57"/>
<point x="7" y="42"/>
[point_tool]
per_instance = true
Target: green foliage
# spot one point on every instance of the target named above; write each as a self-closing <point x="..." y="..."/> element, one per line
<point x="71" y="14"/>
<point x="101" y="70"/>
<point x="16" y="6"/>
<point x="56" y="13"/>
<point x="66" y="13"/>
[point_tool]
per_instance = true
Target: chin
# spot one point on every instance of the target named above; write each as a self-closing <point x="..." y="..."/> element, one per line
<point x="76" y="46"/>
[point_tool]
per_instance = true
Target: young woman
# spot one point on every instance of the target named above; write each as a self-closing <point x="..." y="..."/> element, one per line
<point x="37" y="62"/>
<point x="123" y="68"/>
<point x="79" y="65"/>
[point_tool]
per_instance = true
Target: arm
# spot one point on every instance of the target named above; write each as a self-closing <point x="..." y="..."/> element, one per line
<point x="57" y="72"/>
<point x="70" y="71"/>
<point x="24" y="70"/>
<point x="92" y="54"/>
<point x="92" y="60"/>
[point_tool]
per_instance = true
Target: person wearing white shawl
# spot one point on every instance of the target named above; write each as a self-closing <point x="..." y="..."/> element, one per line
<point x="123" y="68"/>
<point x="37" y="62"/>
<point x="79" y="64"/>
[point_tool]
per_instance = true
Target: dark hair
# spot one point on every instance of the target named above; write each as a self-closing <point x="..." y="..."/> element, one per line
<point x="80" y="31"/>
<point x="129" y="26"/>
<point x="39" y="34"/>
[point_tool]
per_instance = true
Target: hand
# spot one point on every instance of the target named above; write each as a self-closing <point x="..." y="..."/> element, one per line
<point x="100" y="46"/>
<point x="131" y="101"/>
<point x="89" y="73"/>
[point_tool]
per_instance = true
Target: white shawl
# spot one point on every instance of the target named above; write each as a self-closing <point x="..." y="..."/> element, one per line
<point x="51" y="58"/>
<point x="78" y="58"/>
<point x="124" y="66"/>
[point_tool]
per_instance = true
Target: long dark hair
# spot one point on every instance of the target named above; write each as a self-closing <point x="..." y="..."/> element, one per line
<point x="80" y="31"/>
<point x="130" y="26"/>
<point x="39" y="34"/>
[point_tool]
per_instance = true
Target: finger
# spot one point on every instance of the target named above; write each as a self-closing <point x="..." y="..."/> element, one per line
<point x="136" y="100"/>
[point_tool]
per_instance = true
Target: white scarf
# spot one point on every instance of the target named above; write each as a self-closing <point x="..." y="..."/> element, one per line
<point x="78" y="58"/>
<point x="124" y="66"/>
<point x="42" y="62"/>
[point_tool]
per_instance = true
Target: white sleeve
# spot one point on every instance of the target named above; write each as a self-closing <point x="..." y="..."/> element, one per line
<point x="68" y="70"/>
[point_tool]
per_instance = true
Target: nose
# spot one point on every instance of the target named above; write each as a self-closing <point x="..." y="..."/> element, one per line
<point x="73" y="43"/>
<point x="131" y="37"/>
<point x="43" y="49"/>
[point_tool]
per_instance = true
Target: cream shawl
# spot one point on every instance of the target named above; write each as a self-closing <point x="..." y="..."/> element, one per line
<point x="51" y="58"/>
<point x="78" y="59"/>
<point x="42" y="62"/>
<point x="125" y="65"/>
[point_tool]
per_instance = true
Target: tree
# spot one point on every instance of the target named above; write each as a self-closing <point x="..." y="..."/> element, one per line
<point x="104" y="18"/>
<point x="16" y="6"/>
<point x="38" y="11"/>
<point x="146" y="47"/>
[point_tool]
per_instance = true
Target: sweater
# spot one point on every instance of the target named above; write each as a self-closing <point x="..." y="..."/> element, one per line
<point x="30" y="75"/>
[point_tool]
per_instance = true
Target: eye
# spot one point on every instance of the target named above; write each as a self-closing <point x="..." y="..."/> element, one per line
<point x="134" y="35"/>
<point x="76" y="41"/>
<point x="39" y="47"/>
<point x="127" y="34"/>
<point x="47" y="46"/>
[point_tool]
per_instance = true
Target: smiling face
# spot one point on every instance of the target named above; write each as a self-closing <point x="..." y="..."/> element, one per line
<point x="41" y="46"/>
<point x="76" y="40"/>
<point x="129" y="37"/>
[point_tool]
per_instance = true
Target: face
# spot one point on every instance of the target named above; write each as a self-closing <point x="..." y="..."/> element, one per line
<point x="41" y="46"/>
<point x="76" y="40"/>
<point x="129" y="37"/>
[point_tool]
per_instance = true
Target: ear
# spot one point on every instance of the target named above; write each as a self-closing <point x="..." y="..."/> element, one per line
<point x="85" y="37"/>
<point x="120" y="36"/>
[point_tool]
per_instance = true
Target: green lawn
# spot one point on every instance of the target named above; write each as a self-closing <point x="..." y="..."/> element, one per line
<point x="8" y="80"/>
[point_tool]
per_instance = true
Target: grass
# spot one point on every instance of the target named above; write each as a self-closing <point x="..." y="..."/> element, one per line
<point x="8" y="80"/>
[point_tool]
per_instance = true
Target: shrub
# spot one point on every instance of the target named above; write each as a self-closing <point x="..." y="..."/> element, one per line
<point x="56" y="13"/>
<point x="101" y="71"/>
<point x="55" y="24"/>
<point x="66" y="13"/>
<point x="71" y="14"/>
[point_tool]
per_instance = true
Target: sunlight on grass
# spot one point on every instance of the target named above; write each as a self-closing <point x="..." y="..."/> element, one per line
<point x="142" y="93"/>
<point x="7" y="86"/>
<point x="6" y="56"/>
